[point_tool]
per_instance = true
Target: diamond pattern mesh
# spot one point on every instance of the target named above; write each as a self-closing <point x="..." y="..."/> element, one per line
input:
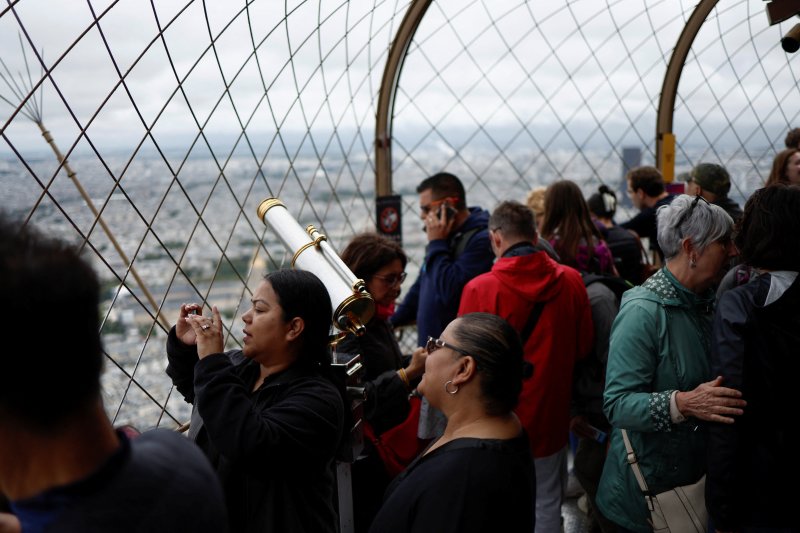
<point x="177" y="118"/>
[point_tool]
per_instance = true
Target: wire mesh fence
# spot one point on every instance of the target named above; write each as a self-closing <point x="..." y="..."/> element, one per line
<point x="177" y="118"/>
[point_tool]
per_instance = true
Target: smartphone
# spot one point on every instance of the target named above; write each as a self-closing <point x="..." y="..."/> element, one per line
<point x="449" y="212"/>
<point x="599" y="435"/>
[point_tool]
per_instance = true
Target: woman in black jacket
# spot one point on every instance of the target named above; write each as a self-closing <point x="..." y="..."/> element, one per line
<point x="268" y="416"/>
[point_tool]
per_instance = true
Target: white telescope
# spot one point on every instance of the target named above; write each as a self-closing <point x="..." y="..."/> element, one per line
<point x="353" y="305"/>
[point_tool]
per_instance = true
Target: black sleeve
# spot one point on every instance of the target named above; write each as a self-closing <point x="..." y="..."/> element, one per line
<point x="643" y="223"/>
<point x="387" y="401"/>
<point x="303" y="425"/>
<point x="180" y="367"/>
<point x="727" y="360"/>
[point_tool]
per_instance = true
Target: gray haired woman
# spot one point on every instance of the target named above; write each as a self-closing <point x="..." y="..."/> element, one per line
<point x="658" y="383"/>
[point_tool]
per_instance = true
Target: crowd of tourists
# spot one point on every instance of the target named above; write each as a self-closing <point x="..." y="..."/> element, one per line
<point x="671" y="337"/>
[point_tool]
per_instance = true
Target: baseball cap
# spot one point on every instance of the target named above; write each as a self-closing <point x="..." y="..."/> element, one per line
<point x="710" y="177"/>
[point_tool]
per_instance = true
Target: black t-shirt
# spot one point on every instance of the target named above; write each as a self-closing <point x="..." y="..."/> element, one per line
<point x="467" y="485"/>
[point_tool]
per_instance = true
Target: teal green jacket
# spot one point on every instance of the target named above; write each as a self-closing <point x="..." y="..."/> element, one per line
<point x="659" y="344"/>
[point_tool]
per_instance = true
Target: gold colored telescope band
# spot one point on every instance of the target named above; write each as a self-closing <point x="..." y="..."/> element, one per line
<point x="266" y="205"/>
<point x="307" y="245"/>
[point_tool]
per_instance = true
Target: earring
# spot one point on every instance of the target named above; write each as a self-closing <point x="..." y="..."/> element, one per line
<point x="450" y="391"/>
<point x="693" y="262"/>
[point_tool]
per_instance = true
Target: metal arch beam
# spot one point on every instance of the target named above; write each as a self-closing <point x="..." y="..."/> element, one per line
<point x="665" y="139"/>
<point x="391" y="76"/>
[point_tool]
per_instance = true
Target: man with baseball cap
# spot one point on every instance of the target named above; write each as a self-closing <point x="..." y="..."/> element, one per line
<point x="712" y="182"/>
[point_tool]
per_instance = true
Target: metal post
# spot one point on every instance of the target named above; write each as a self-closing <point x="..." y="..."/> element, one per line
<point x="391" y="77"/>
<point x="665" y="139"/>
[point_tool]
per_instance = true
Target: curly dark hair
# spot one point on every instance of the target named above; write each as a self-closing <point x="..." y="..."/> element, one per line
<point x="367" y="253"/>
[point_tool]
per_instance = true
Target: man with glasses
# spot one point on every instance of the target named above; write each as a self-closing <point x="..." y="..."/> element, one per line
<point x="713" y="183"/>
<point x="547" y="303"/>
<point x="647" y="192"/>
<point x="458" y="250"/>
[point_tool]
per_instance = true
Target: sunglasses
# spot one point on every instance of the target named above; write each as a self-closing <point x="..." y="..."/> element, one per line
<point x="392" y="279"/>
<point x="452" y="200"/>
<point x="688" y="214"/>
<point x="434" y="344"/>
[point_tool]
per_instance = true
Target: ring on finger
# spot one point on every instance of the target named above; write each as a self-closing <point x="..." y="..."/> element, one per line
<point x="205" y="326"/>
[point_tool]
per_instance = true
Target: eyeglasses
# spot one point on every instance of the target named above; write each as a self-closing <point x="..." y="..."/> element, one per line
<point x="434" y="344"/>
<point x="688" y="214"/>
<point x="436" y="203"/>
<point x="392" y="279"/>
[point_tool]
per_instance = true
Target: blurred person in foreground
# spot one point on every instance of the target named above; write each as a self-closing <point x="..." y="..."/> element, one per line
<point x="548" y="305"/>
<point x="388" y="376"/>
<point x="268" y="416"/>
<point x="755" y="350"/>
<point x="659" y="385"/>
<point x="63" y="466"/>
<point x="785" y="168"/>
<point x="479" y="475"/>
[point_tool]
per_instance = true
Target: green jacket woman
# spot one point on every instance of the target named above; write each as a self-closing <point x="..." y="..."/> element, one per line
<point x="658" y="382"/>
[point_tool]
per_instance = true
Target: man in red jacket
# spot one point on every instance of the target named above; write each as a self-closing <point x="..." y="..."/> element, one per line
<point x="524" y="283"/>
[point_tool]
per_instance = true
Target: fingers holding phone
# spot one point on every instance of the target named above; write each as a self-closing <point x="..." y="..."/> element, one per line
<point x="183" y="330"/>
<point x="439" y="223"/>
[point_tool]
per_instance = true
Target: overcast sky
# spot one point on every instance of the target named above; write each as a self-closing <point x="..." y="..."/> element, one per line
<point x="577" y="63"/>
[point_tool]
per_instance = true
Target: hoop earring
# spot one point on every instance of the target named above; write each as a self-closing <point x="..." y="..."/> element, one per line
<point x="450" y="391"/>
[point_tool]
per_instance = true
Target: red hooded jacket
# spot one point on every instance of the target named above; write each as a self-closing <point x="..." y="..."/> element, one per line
<point x="563" y="334"/>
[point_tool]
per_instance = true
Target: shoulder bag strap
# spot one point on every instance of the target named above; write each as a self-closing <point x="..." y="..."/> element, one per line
<point x="530" y="325"/>
<point x="634" y="462"/>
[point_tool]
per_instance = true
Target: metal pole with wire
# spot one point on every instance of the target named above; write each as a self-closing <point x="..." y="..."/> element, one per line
<point x="31" y="108"/>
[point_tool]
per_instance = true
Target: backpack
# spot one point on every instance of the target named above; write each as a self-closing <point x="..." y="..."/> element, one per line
<point x="616" y="284"/>
<point x="588" y="380"/>
<point x="459" y="243"/>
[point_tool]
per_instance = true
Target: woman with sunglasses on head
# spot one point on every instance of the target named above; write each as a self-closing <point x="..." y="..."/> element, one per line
<point x="479" y="475"/>
<point x="388" y="377"/>
<point x="659" y="384"/>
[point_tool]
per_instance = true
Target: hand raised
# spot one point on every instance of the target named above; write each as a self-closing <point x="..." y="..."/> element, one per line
<point x="438" y="225"/>
<point x="416" y="367"/>
<point x="183" y="330"/>
<point x="207" y="332"/>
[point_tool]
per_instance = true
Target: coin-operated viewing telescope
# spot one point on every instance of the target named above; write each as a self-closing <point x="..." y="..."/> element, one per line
<point x="353" y="305"/>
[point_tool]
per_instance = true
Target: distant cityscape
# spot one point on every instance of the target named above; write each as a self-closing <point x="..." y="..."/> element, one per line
<point x="225" y="250"/>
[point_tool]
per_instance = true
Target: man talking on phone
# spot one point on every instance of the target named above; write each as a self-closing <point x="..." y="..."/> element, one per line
<point x="458" y="250"/>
